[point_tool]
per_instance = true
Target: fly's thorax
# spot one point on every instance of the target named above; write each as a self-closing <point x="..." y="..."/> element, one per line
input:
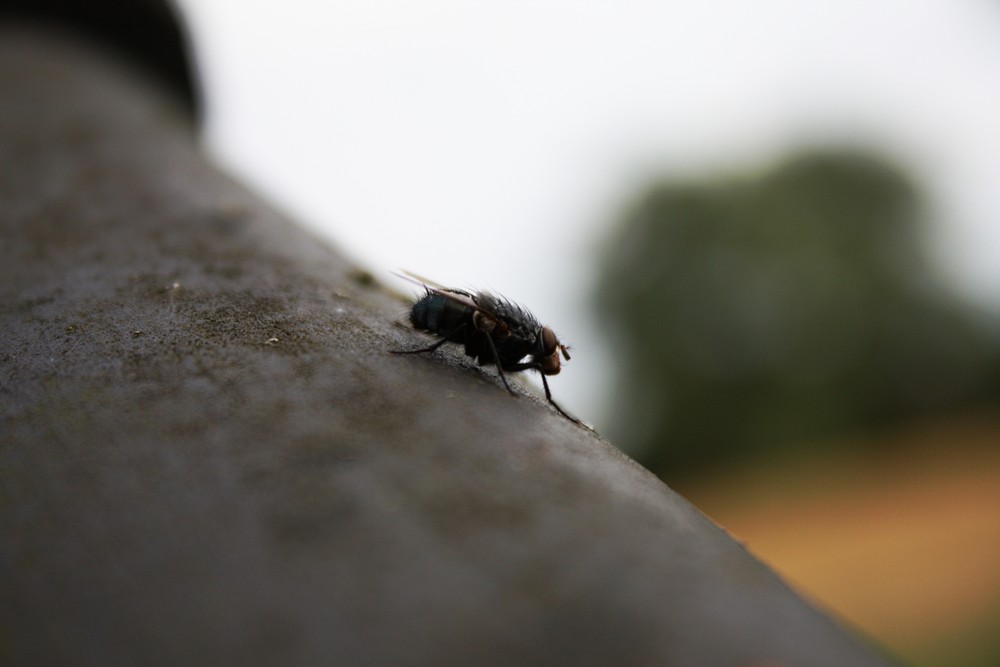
<point x="516" y="319"/>
<point x="495" y="328"/>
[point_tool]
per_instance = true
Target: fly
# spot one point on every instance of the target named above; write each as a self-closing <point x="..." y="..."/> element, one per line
<point x="493" y="330"/>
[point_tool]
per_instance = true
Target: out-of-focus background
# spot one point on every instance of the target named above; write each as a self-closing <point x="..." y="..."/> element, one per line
<point x="770" y="232"/>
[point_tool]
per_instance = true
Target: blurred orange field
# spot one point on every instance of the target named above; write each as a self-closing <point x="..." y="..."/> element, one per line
<point x="903" y="544"/>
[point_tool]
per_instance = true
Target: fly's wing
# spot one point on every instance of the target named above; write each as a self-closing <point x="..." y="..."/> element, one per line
<point x="456" y="295"/>
<point x="418" y="279"/>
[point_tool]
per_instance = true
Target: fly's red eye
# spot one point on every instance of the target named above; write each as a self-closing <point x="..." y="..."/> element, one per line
<point x="549" y="341"/>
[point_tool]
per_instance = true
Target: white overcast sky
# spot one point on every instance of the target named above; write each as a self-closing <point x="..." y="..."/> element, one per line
<point x="492" y="144"/>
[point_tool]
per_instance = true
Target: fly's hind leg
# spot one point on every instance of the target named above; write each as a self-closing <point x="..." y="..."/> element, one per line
<point x="430" y="348"/>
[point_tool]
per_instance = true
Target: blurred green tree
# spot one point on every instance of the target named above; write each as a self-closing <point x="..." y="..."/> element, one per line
<point x="757" y="313"/>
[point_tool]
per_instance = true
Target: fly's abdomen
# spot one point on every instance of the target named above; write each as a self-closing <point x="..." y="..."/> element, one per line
<point x="439" y="315"/>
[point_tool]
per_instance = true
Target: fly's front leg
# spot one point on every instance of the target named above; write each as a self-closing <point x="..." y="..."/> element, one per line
<point x="548" y="393"/>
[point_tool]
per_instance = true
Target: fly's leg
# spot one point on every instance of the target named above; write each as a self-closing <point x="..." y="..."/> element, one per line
<point x="535" y="366"/>
<point x="496" y="360"/>
<point x="423" y="349"/>
<point x="447" y="337"/>
<point x="433" y="347"/>
<point x="548" y="395"/>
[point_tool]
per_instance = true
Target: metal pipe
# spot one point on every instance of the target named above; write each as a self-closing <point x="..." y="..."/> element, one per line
<point x="208" y="457"/>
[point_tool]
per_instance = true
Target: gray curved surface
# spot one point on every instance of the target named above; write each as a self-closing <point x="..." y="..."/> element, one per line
<point x="208" y="457"/>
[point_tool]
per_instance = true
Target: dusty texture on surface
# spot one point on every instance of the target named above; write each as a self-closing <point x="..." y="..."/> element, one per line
<point x="208" y="457"/>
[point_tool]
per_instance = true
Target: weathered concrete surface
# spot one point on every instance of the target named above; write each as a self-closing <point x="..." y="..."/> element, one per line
<point x="208" y="457"/>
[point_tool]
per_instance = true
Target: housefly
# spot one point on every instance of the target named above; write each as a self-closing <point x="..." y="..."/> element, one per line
<point x="493" y="330"/>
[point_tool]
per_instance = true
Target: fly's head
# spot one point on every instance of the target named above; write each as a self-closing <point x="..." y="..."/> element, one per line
<point x="550" y="348"/>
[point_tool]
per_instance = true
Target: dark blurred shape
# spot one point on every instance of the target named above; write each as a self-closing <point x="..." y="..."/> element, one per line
<point x="760" y="312"/>
<point x="148" y="33"/>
